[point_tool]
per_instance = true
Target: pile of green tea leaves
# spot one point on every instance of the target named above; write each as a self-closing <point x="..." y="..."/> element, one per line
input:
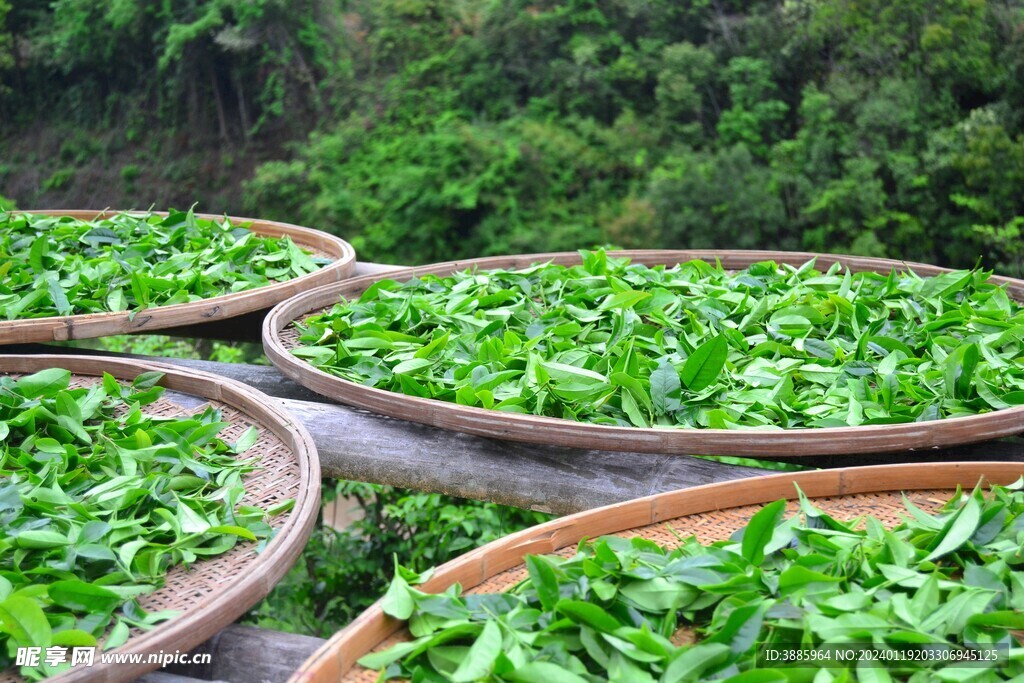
<point x="631" y="611"/>
<point x="607" y="342"/>
<point x="58" y="265"/>
<point x="98" y="499"/>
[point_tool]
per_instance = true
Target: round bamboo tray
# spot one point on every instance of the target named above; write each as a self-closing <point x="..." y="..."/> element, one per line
<point x="85" y="326"/>
<point x="213" y="592"/>
<point x="711" y="513"/>
<point x="280" y="338"/>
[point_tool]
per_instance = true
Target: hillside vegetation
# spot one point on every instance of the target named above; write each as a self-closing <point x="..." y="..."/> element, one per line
<point x="424" y="130"/>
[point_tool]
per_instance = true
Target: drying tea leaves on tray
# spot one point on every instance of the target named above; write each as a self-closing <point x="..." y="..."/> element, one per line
<point x="98" y="500"/>
<point x="58" y="265"/>
<point x="631" y="611"/>
<point x="607" y="342"/>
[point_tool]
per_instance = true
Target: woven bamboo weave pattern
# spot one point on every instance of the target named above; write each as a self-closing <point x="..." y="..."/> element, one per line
<point x="214" y="591"/>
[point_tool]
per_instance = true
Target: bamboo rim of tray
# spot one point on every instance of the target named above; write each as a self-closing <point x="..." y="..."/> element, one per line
<point x="215" y="591"/>
<point x="89" y="325"/>
<point x="711" y="512"/>
<point x="279" y="339"/>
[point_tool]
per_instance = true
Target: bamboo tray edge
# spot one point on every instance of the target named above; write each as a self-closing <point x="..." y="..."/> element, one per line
<point x="90" y="325"/>
<point x="339" y="654"/>
<point x="570" y="434"/>
<point x="260" y="574"/>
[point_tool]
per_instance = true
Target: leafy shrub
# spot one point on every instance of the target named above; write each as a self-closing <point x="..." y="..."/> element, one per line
<point x="341" y="573"/>
<point x="447" y="188"/>
<point x="59" y="179"/>
<point x="446" y="130"/>
<point x="129" y="174"/>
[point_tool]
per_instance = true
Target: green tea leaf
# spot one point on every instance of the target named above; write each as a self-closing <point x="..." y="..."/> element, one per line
<point x="665" y="389"/>
<point x="957" y="531"/>
<point x="760" y="529"/>
<point x="44" y="383"/>
<point x="25" y="621"/>
<point x="705" y="364"/>
<point x="480" y="659"/>
<point x="544" y="579"/>
<point x="247" y="440"/>
<point x="84" y="597"/>
<point x="544" y="671"/>
<point x="587" y="613"/>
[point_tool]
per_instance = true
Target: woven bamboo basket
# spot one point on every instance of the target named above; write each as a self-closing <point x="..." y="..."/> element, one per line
<point x="63" y="328"/>
<point x="710" y="513"/>
<point x="280" y="338"/>
<point x="213" y="592"/>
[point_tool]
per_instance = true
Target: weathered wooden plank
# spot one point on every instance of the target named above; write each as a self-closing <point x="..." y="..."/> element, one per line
<point x="246" y="654"/>
<point x="361" y="446"/>
<point x="165" y="677"/>
<point x="358" y="445"/>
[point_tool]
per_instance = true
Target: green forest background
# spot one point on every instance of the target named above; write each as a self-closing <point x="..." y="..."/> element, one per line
<point x="423" y="130"/>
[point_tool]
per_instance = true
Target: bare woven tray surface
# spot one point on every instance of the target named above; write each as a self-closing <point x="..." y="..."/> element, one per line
<point x="62" y="328"/>
<point x="213" y="592"/>
<point x="712" y="512"/>
<point x="280" y="339"/>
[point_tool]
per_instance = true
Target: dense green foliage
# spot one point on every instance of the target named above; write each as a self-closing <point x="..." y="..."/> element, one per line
<point x="99" y="501"/>
<point x="342" y="572"/>
<point x="443" y="129"/>
<point x="232" y="66"/>
<point x="690" y="345"/>
<point x="827" y="125"/>
<point x="613" y="611"/>
<point x="59" y="265"/>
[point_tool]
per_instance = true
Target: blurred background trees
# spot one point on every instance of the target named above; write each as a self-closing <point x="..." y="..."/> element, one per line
<point x="430" y="129"/>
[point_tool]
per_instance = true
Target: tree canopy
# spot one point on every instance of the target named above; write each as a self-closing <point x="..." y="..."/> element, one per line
<point x="428" y="129"/>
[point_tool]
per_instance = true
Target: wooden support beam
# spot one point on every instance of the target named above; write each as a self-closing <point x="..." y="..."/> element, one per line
<point x="162" y="676"/>
<point x="244" y="654"/>
<point x="361" y="446"/>
<point x="358" y="445"/>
